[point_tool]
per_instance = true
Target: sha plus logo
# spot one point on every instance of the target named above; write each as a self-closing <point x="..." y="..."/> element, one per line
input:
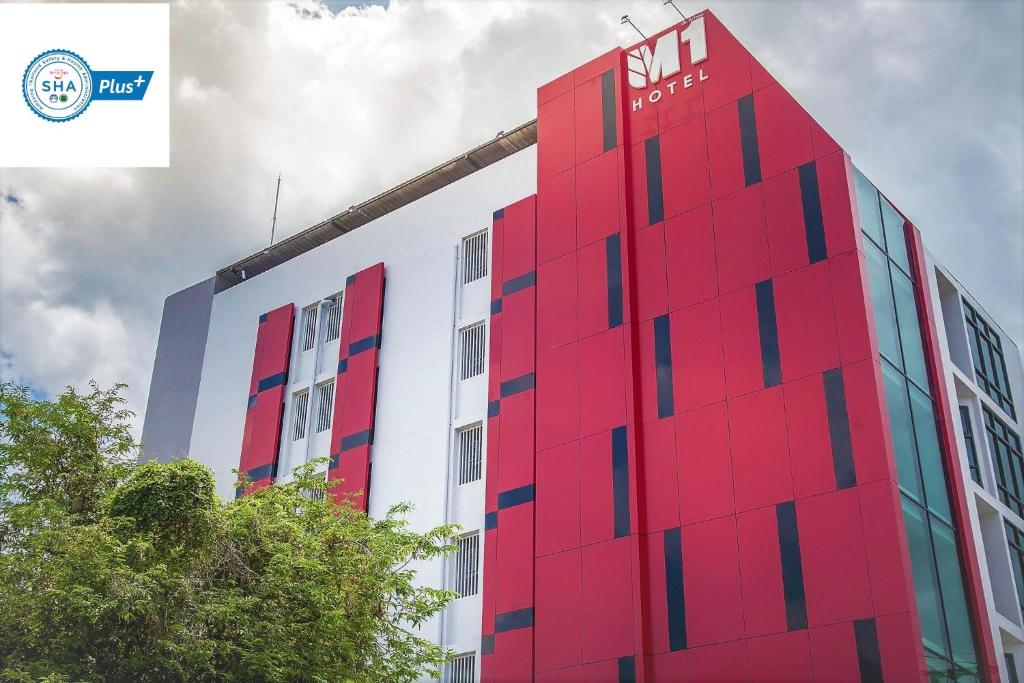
<point x="647" y="66"/>
<point x="58" y="85"/>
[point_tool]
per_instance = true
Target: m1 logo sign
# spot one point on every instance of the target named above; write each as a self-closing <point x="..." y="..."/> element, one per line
<point x="648" y="66"/>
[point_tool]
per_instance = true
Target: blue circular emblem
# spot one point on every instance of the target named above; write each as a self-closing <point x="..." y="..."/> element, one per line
<point x="57" y="85"/>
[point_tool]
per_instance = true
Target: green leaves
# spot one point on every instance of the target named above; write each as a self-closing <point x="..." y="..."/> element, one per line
<point x="116" y="571"/>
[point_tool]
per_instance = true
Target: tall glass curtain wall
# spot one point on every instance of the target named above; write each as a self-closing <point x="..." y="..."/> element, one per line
<point x="935" y="556"/>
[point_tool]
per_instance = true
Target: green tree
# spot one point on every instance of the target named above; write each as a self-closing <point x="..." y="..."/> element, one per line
<point x="117" y="571"/>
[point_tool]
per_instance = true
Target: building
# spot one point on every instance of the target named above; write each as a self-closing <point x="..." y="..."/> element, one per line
<point x="704" y="404"/>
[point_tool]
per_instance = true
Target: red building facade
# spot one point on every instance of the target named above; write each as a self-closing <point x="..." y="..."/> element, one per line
<point x="691" y="471"/>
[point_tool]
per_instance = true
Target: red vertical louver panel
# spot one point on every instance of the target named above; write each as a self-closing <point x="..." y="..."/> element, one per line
<point x="262" y="436"/>
<point x="355" y="389"/>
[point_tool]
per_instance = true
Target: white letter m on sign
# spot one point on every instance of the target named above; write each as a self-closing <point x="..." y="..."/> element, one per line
<point x="647" y="66"/>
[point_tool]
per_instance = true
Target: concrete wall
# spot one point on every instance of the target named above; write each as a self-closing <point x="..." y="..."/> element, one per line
<point x="167" y="430"/>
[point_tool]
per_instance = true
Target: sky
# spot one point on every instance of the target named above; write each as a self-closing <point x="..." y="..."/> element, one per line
<point x="346" y="99"/>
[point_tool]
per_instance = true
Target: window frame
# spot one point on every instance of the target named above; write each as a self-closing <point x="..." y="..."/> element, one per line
<point x="307" y="327"/>
<point x="474" y="251"/>
<point x="470" y="459"/>
<point x="475" y="366"/>
<point x="466" y="567"/>
<point x="324" y="421"/>
<point x="986" y="349"/>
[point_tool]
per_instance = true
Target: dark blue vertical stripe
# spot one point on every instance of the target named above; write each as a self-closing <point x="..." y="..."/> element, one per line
<point x="655" y="201"/>
<point x="748" y="141"/>
<point x="814" y="225"/>
<point x="674" y="590"/>
<point x="839" y="428"/>
<point x="768" y="332"/>
<point x="792" y="569"/>
<point x="627" y="669"/>
<point x="620" y="481"/>
<point x="868" y="656"/>
<point x="613" y="264"/>
<point x="663" y="366"/>
<point x="608" y="110"/>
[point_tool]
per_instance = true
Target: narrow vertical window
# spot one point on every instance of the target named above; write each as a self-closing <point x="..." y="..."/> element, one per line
<point x="332" y="322"/>
<point x="1007" y="460"/>
<point x="1015" y="540"/>
<point x="324" y="406"/>
<point x="463" y="668"/>
<point x="467" y="564"/>
<point x="471" y="351"/>
<point x="989" y="363"/>
<point x="972" y="447"/>
<point x="474" y="257"/>
<point x="309" y="327"/>
<point x="470" y="444"/>
<point x="300" y="409"/>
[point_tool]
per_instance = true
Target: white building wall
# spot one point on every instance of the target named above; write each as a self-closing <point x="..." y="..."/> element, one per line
<point x="988" y="513"/>
<point x="420" y="400"/>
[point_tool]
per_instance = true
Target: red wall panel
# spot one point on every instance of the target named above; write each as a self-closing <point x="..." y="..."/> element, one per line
<point x="783" y="131"/>
<point x="832" y="545"/>
<point x="597" y="198"/>
<point x="558" y="499"/>
<point x="741" y="239"/>
<point x="808" y="342"/>
<point x="781" y="657"/>
<point x="607" y="600"/>
<point x="556" y="216"/>
<point x="764" y="605"/>
<point x="760" y="449"/>
<point x="602" y="382"/>
<point x="834" y="653"/>
<point x="685" y="179"/>
<point x="355" y="394"/>
<point x="651" y="281"/>
<point x="698" y="366"/>
<point x="660" y="495"/>
<point x="727" y="67"/>
<point x="787" y="238"/>
<point x="558" y="626"/>
<point x="705" y="464"/>
<point x="740" y="344"/>
<point x="690" y="255"/>
<point x="262" y="430"/>
<point x="711" y="580"/>
<point x="556" y="302"/>
<point x="810" y="445"/>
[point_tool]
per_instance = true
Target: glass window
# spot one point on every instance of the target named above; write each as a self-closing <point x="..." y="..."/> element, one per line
<point x="881" y="302"/>
<point x="1015" y="540"/>
<point x="972" y="448"/>
<point x="954" y="600"/>
<point x="910" y="331"/>
<point x="1011" y="667"/>
<point x="867" y="207"/>
<point x="929" y="454"/>
<point x="895" y="237"/>
<point x="926" y="584"/>
<point x="989" y="363"/>
<point x="1004" y="445"/>
<point x="902" y="431"/>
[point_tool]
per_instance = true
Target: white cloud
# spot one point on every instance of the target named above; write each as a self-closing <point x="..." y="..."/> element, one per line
<point x="927" y="98"/>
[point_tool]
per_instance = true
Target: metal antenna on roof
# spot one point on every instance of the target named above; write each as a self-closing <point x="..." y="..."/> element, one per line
<point x="669" y="2"/>
<point x="625" y="20"/>
<point x="273" y="222"/>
